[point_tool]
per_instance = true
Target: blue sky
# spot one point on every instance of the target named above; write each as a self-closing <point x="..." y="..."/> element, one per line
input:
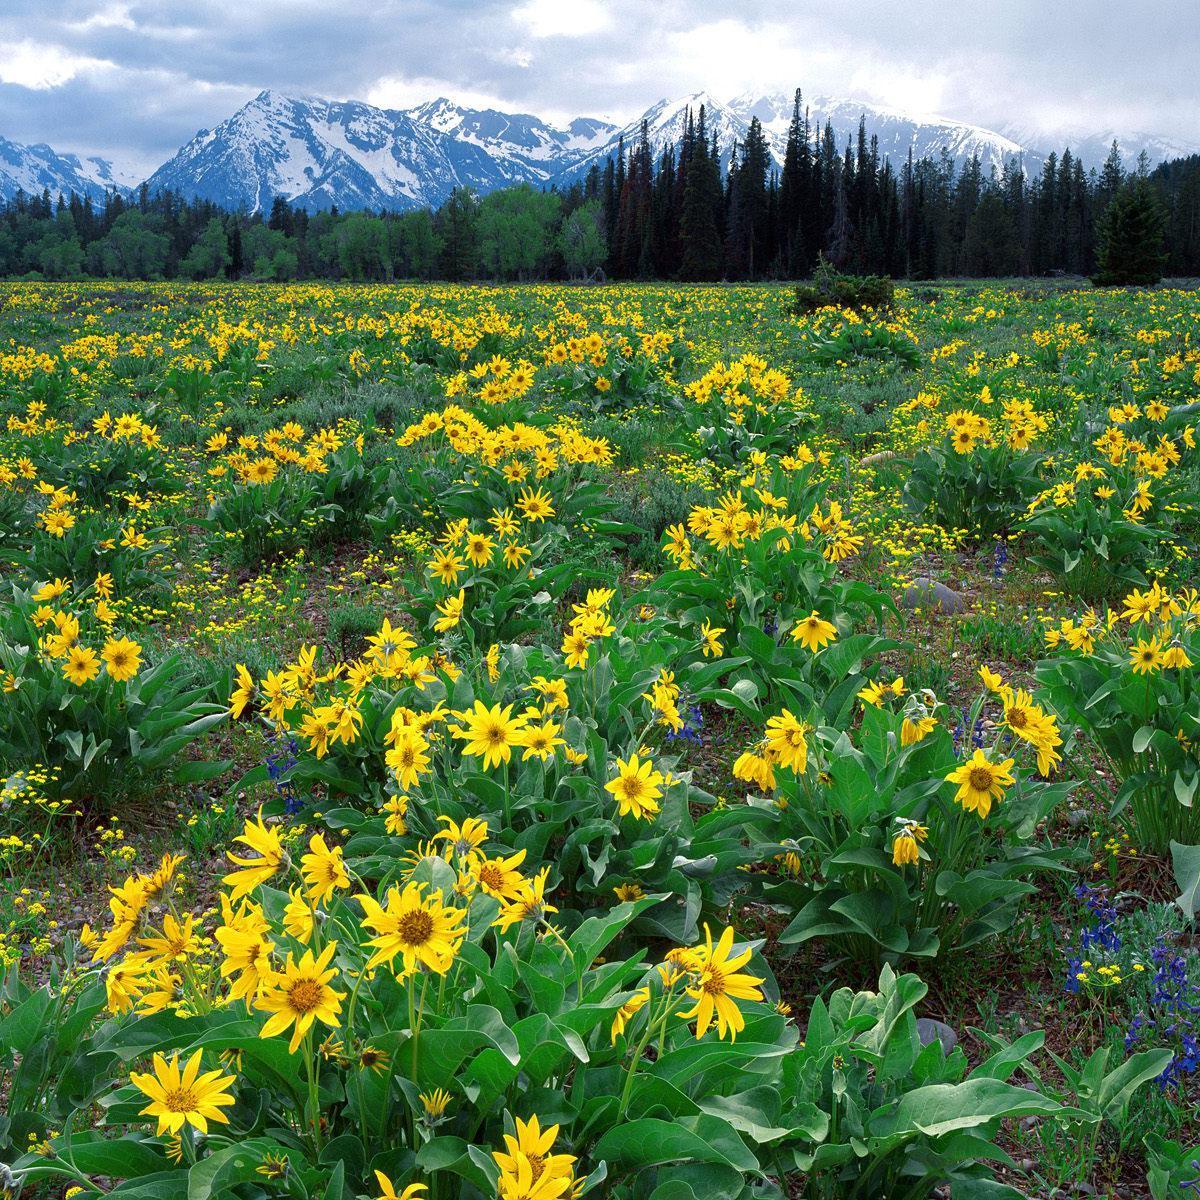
<point x="134" y="79"/>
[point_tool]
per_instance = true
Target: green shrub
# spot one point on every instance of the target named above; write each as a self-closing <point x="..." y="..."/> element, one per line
<point x="830" y="288"/>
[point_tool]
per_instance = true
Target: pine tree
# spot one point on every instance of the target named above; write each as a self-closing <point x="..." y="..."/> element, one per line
<point x="751" y="197"/>
<point x="1131" y="237"/>
<point x="699" y="231"/>
<point x="457" y="225"/>
<point x="1112" y="175"/>
<point x="839" y="240"/>
<point x="791" y="194"/>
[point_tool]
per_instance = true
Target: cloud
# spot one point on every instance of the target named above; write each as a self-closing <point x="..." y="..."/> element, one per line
<point x="137" y="78"/>
<point x="39" y="67"/>
<point x="562" y="18"/>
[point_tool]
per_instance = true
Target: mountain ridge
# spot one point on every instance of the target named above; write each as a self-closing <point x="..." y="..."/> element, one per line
<point x="319" y="153"/>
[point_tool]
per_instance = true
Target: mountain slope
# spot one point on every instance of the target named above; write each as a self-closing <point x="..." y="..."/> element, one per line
<point x="32" y="169"/>
<point x="526" y="147"/>
<point x="317" y="153"/>
<point x="665" y="124"/>
<point x="1093" y="148"/>
<point x="897" y="133"/>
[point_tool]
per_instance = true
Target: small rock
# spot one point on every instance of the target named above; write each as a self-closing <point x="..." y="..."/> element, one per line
<point x="1077" y="817"/>
<point x="930" y="593"/>
<point x="929" y="1029"/>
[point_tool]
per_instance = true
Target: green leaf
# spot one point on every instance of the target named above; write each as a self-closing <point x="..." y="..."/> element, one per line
<point x="21" y="1027"/>
<point x="597" y="932"/>
<point x="1186" y="862"/>
<point x="942" y="1108"/>
<point x="126" y="1158"/>
<point x="228" y="1167"/>
<point x="649" y="1142"/>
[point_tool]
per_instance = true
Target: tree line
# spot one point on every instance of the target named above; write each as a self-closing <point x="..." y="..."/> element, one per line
<point x="694" y="211"/>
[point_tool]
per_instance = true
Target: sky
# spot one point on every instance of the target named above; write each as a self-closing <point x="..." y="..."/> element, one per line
<point x="133" y="80"/>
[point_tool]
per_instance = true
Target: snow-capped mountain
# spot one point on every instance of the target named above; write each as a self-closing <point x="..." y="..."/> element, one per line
<point x="531" y="149"/>
<point x="1093" y="147"/>
<point x="33" y="169"/>
<point x="319" y="153"/>
<point x="665" y="124"/>
<point x="897" y="132"/>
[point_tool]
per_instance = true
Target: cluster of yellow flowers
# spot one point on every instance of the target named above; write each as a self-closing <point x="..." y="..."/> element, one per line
<point x="747" y="383"/>
<point x="1165" y="616"/>
<point x="1021" y="425"/>
<point x="734" y="521"/>
<point x="509" y="446"/>
<point x="61" y="641"/>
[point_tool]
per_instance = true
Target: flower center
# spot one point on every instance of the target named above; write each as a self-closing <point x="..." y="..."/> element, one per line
<point x="304" y="995"/>
<point x="980" y="779"/>
<point x="415" y="927"/>
<point x="491" y="876"/>
<point x="180" y="1100"/>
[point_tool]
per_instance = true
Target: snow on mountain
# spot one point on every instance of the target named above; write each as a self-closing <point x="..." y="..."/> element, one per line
<point x="318" y="153"/>
<point x="33" y="169"/>
<point x="896" y="131"/>
<point x="665" y="123"/>
<point x="529" y="148"/>
<point x="1093" y="147"/>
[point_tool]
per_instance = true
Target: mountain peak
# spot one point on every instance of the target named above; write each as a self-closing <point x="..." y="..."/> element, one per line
<point x="318" y="152"/>
<point x="38" y="168"/>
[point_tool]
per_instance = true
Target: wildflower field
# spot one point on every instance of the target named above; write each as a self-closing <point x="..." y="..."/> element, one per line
<point x="624" y="741"/>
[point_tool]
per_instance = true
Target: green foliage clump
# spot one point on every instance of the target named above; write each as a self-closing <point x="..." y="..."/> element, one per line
<point x="831" y="288"/>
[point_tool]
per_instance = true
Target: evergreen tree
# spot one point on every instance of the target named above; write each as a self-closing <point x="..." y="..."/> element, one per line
<point x="1131" y="250"/>
<point x="990" y="246"/>
<point x="457" y="225"/>
<point x="839" y="238"/>
<point x="793" y="193"/>
<point x="752" y="238"/>
<point x="699" y="231"/>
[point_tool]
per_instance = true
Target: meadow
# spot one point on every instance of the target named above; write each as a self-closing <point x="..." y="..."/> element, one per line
<point x="629" y="741"/>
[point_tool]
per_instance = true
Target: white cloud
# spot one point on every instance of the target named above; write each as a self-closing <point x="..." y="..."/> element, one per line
<point x="561" y="18"/>
<point x="112" y="16"/>
<point x="397" y="91"/>
<point x="39" y="67"/>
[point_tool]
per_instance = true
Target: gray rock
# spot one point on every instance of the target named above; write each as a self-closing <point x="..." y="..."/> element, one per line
<point x="930" y="593"/>
<point x="928" y="1030"/>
